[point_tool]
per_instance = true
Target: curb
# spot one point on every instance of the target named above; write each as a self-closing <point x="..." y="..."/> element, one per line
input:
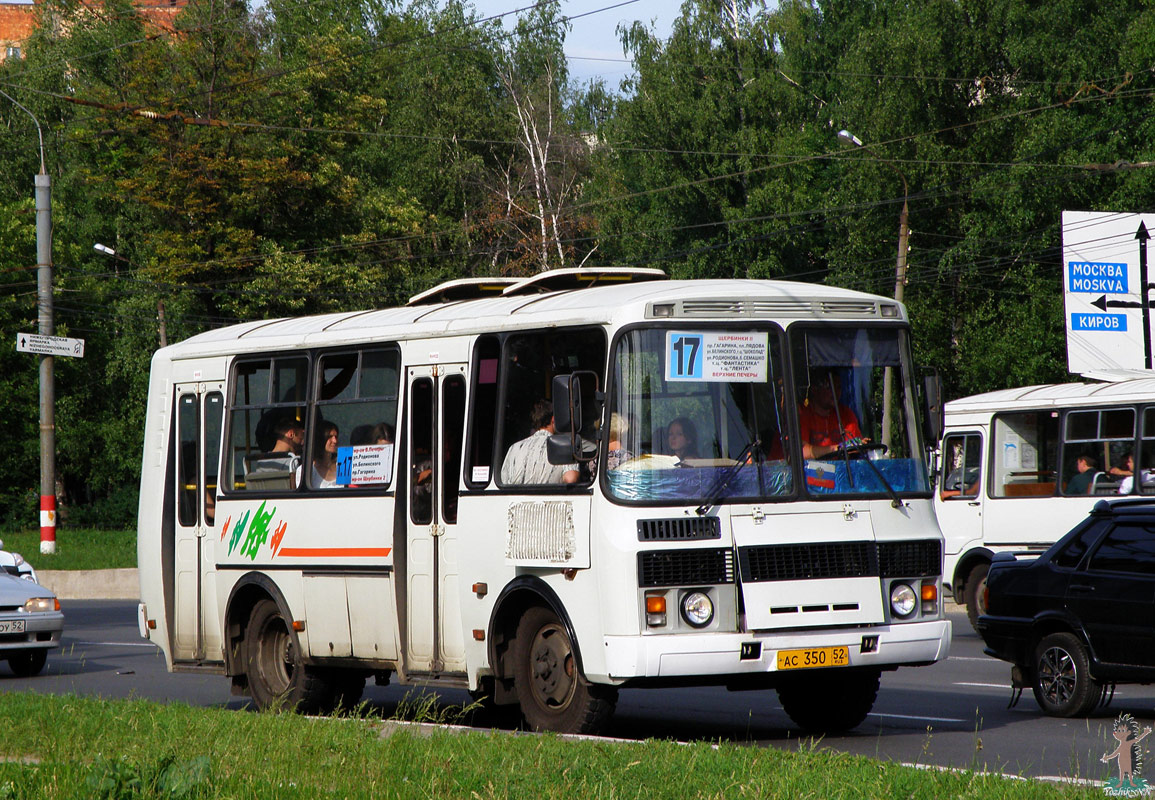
<point x="94" y="584"/>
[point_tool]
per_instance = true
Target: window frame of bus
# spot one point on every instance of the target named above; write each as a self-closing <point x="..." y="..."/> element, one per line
<point x="317" y="404"/>
<point x="300" y="406"/>
<point x="997" y="476"/>
<point x="945" y="468"/>
<point x="478" y="396"/>
<point x="776" y="331"/>
<point x="1099" y="441"/>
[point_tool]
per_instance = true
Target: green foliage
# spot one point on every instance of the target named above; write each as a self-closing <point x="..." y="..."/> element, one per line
<point x="342" y="154"/>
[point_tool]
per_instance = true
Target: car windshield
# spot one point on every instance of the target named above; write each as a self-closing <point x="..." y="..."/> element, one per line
<point x="699" y="414"/>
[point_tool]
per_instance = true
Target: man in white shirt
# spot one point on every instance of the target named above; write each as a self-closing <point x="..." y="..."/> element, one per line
<point x="527" y="462"/>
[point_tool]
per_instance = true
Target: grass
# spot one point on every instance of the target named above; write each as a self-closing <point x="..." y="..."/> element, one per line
<point x="69" y="747"/>
<point x="75" y="549"/>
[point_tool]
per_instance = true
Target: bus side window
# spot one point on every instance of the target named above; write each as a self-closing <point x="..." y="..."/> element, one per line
<point x="1145" y="458"/>
<point x="483" y="412"/>
<point x="1026" y="454"/>
<point x="962" y="466"/>
<point x="267" y="395"/>
<point x="529" y="363"/>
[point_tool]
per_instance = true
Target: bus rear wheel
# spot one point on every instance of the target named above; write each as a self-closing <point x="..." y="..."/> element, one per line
<point x="829" y="700"/>
<point x="277" y="677"/>
<point x="553" y="694"/>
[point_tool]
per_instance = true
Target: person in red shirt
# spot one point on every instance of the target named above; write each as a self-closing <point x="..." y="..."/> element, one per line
<point x="824" y="424"/>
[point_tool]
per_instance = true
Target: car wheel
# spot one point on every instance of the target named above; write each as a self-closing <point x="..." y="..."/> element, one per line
<point x="1062" y="680"/>
<point x="277" y="677"/>
<point x="553" y="694"/>
<point x="974" y="591"/>
<point x="26" y="663"/>
<point x="828" y="701"/>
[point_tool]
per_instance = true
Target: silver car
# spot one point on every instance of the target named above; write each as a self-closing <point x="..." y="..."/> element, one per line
<point x="30" y="624"/>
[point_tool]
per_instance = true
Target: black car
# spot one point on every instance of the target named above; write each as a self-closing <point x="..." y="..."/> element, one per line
<point x="1080" y="618"/>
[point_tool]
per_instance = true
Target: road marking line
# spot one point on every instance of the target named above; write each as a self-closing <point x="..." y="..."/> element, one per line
<point x="971" y="658"/>
<point x="984" y="685"/>
<point x="907" y="716"/>
<point x="115" y="644"/>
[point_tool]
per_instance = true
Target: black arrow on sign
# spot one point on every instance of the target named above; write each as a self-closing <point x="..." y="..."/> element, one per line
<point x="1103" y="303"/>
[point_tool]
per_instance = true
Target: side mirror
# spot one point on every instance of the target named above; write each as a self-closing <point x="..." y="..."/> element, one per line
<point x="576" y="409"/>
<point x="934" y="414"/>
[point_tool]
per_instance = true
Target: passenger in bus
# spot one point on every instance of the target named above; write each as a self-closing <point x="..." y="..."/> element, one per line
<point x="283" y="459"/>
<point x="324" y="467"/>
<point x="382" y="433"/>
<point x="526" y="461"/>
<point x="618" y="455"/>
<point x="1087" y="467"/>
<point x="824" y="423"/>
<point x="1125" y="468"/>
<point x="682" y="438"/>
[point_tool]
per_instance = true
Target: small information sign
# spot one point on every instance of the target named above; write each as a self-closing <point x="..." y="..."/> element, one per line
<point x="49" y="345"/>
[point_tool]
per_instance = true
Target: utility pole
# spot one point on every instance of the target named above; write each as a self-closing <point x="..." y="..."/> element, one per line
<point x="45" y="327"/>
<point x="899" y="277"/>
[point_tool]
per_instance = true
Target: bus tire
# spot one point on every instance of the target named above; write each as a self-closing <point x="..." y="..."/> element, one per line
<point x="277" y="677"/>
<point x="974" y="591"/>
<point x="1061" y="677"/>
<point x="553" y="694"/>
<point x="829" y="700"/>
<point x="26" y="663"/>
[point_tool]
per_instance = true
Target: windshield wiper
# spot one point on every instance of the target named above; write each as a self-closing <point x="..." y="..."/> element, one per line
<point x="847" y="446"/>
<point x="715" y="496"/>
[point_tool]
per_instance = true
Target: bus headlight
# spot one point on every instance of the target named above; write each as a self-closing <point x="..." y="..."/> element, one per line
<point x="697" y="609"/>
<point x="902" y="600"/>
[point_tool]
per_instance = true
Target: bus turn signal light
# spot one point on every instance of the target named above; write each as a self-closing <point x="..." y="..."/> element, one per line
<point x="655" y="610"/>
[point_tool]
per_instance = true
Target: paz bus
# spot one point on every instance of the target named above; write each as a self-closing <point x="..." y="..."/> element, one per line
<point x="1009" y="464"/>
<point x="735" y="561"/>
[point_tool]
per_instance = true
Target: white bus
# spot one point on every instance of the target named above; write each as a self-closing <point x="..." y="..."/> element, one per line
<point x="713" y="556"/>
<point x="1011" y="474"/>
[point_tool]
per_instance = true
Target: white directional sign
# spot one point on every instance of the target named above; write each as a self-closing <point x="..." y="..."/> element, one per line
<point x="1106" y="290"/>
<point x="49" y="345"/>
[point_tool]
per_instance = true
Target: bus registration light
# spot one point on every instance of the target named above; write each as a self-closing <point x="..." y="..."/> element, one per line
<point x="655" y="610"/>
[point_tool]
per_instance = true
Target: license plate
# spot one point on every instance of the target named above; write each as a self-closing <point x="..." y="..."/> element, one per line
<point x="813" y="657"/>
<point x="12" y="626"/>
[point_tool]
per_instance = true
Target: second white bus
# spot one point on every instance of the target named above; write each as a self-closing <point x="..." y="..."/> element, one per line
<point x="1010" y="461"/>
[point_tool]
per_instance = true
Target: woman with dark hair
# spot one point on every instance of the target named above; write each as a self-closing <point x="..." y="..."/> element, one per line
<point x="682" y="438"/>
<point x="324" y="472"/>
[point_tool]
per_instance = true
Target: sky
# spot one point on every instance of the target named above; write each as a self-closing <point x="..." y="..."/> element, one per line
<point x="592" y="44"/>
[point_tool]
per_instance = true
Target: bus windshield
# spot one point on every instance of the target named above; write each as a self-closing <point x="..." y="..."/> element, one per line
<point x="701" y="414"/>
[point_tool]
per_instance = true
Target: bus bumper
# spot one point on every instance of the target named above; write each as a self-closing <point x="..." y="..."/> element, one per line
<point x="668" y="656"/>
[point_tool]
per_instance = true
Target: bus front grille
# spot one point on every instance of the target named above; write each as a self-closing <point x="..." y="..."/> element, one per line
<point x="910" y="559"/>
<point x="797" y="562"/>
<point x="679" y="529"/>
<point x="697" y="567"/>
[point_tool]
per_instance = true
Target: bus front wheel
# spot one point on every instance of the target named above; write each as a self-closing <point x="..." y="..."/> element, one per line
<point x="974" y="592"/>
<point x="550" y="688"/>
<point x="277" y="677"/>
<point x="829" y="700"/>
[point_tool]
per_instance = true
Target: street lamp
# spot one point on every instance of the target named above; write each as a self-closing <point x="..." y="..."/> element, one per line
<point x="46" y="327"/>
<point x="849" y="138"/>
<point x="161" y="334"/>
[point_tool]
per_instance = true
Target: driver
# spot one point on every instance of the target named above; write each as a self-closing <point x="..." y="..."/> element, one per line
<point x="824" y="424"/>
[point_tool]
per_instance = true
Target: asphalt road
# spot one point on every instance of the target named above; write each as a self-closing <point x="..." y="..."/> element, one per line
<point x="951" y="714"/>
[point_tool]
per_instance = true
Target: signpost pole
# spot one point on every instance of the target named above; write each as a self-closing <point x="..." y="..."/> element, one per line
<point x="1145" y="302"/>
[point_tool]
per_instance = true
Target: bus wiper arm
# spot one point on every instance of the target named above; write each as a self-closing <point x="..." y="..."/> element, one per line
<point x="724" y="479"/>
<point x="895" y="500"/>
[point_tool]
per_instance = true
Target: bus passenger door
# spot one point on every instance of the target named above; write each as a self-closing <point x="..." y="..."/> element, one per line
<point x="196" y="626"/>
<point x="436" y="414"/>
